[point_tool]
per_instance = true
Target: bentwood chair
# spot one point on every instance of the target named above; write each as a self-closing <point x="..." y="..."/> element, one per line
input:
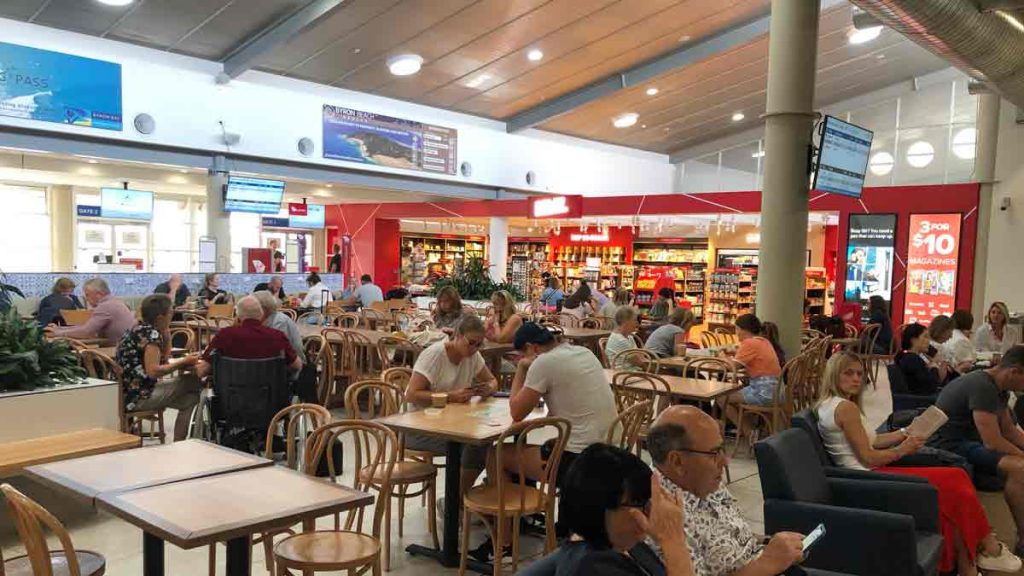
<point x="592" y="323"/>
<point x="291" y="314"/>
<point x="373" y="399"/>
<point x="319" y="353"/>
<point x="627" y="426"/>
<point x="776" y="415"/>
<point x="376" y="319"/>
<point x="632" y="388"/>
<point x="30" y="519"/>
<point x="186" y="338"/>
<point x="512" y="495"/>
<point x="636" y="359"/>
<point x="602" y="351"/>
<point x="395" y="351"/>
<point x="349" y="549"/>
<point x="346" y="320"/>
<point x="99" y="365"/>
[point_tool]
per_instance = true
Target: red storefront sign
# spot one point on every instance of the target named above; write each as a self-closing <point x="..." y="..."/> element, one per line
<point x="556" y="207"/>
<point x="297" y="209"/>
<point x="932" y="262"/>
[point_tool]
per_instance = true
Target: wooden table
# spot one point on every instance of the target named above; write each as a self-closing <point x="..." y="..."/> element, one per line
<point x="90" y="342"/>
<point x="584" y="335"/>
<point x="227" y="507"/>
<point x="683" y="388"/>
<point x="476" y="424"/>
<point x="17" y="455"/>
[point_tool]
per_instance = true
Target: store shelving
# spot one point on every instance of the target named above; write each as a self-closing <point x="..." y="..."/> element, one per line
<point x="816" y="291"/>
<point x="732" y="292"/>
<point x="424" y="254"/>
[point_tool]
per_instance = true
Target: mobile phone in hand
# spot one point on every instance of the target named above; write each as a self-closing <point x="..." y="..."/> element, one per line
<point x="811" y="539"/>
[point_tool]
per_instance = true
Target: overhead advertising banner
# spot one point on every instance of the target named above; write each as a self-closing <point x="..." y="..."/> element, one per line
<point x="556" y="207"/>
<point x="932" y="261"/>
<point x="869" y="256"/>
<point x="55" y="87"/>
<point x="393" y="142"/>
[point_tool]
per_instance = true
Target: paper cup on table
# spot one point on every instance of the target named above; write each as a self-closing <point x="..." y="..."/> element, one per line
<point x="439" y="400"/>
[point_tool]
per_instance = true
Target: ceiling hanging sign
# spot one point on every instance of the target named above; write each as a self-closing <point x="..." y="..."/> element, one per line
<point x="556" y="207"/>
<point x="295" y="209"/>
<point x="370" y="138"/>
<point x="62" y="88"/>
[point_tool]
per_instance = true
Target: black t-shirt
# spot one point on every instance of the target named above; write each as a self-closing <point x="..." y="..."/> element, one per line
<point x="335" y="264"/>
<point x="583" y="559"/>
<point x="265" y="286"/>
<point x="959" y="399"/>
<point x="179" y="297"/>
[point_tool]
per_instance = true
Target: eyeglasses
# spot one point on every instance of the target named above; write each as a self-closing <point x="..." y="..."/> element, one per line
<point x="717" y="452"/>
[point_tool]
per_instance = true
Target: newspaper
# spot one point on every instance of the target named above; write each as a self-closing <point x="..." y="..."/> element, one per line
<point x="927" y="423"/>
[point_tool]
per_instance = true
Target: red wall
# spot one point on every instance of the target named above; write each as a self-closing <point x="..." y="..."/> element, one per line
<point x="387" y="253"/>
<point x="616" y="237"/>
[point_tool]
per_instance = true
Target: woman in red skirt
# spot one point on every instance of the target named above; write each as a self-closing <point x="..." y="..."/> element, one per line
<point x="970" y="543"/>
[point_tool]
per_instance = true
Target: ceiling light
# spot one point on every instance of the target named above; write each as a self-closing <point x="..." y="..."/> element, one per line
<point x="737" y="116"/>
<point x="115" y="2"/>
<point x="330" y="185"/>
<point x="643" y="125"/>
<point x="685" y="38"/>
<point x="183" y="171"/>
<point x="881" y="163"/>
<point x="863" y="35"/>
<point x="758" y="154"/>
<point x="478" y="81"/>
<point x="91" y="161"/>
<point x="626" y="120"/>
<point x="964" y="142"/>
<point x="405" y="64"/>
<point x="177" y="180"/>
<point x="652" y="91"/>
<point x="1010" y="19"/>
<point x="920" y="154"/>
<point x="535" y="55"/>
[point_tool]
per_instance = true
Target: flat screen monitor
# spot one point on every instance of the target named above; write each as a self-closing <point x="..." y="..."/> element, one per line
<point x="843" y="158"/>
<point x="126" y="204"/>
<point x="314" y="218"/>
<point x="256" y="195"/>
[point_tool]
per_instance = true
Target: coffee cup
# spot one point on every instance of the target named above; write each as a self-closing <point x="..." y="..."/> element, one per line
<point x="439" y="399"/>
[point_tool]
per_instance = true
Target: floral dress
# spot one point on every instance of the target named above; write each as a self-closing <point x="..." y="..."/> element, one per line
<point x="131" y="352"/>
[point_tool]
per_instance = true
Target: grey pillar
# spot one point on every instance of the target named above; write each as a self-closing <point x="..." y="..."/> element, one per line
<point x="497" y="249"/>
<point x="62" y="228"/>
<point x="789" y="120"/>
<point x="984" y="173"/>
<point x="218" y="223"/>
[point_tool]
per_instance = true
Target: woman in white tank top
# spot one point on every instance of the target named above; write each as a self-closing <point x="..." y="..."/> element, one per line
<point x="969" y="542"/>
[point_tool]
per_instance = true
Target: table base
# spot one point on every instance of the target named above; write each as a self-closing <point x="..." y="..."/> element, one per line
<point x="239" y="557"/>
<point x="152" y="555"/>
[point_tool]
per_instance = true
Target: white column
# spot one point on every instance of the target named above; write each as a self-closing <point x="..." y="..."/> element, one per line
<point x="218" y="222"/>
<point x="61" y="201"/>
<point x="985" y="174"/>
<point x="497" y="254"/>
<point x="789" y="118"/>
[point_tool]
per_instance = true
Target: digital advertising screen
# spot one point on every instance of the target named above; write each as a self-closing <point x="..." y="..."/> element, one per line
<point x="256" y="195"/>
<point x="126" y="204"/>
<point x="314" y="218"/>
<point x="843" y="158"/>
<point x="932" y="262"/>
<point x="871" y="242"/>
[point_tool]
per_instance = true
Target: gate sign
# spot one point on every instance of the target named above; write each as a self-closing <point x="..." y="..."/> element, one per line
<point x="932" y="260"/>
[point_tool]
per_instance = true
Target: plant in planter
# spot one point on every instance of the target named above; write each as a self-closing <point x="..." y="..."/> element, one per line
<point x="5" y="293"/>
<point x="29" y="361"/>
<point x="474" y="283"/>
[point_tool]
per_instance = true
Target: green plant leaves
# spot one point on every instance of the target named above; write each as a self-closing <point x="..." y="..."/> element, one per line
<point x="28" y="360"/>
<point x="474" y="283"/>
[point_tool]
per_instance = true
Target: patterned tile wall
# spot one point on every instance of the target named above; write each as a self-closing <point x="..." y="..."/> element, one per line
<point x="37" y="285"/>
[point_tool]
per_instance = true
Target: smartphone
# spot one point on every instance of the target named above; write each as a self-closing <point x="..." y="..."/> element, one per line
<point x="812" y="538"/>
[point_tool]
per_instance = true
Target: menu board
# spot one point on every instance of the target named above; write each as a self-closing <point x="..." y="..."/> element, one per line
<point x="932" y="260"/>
<point x="371" y="138"/>
<point x="56" y="87"/>
<point x="869" y="256"/>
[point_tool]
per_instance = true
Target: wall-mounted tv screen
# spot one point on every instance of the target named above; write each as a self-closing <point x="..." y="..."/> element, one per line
<point x="314" y="218"/>
<point x="843" y="158"/>
<point x="126" y="204"/>
<point x="257" y="195"/>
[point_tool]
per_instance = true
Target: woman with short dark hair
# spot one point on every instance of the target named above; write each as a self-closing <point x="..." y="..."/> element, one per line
<point x="878" y="312"/>
<point x="318" y="295"/>
<point x="920" y="374"/>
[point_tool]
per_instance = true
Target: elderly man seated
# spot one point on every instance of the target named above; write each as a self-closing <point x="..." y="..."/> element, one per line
<point x="275" y="286"/>
<point x="250" y="339"/>
<point x="687" y="448"/>
<point x="110" y="318"/>
<point x="272" y="318"/>
<point x="175" y="288"/>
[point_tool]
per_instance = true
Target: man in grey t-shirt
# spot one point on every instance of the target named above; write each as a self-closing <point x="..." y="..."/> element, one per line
<point x="982" y="430"/>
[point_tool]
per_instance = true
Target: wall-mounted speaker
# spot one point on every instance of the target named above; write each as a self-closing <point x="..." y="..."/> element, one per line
<point x="306" y="147"/>
<point x="531" y="178"/>
<point x="145" y="124"/>
<point x="466" y="169"/>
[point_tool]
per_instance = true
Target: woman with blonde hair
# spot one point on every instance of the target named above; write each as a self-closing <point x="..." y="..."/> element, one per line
<point x="448" y="311"/>
<point x="996" y="334"/>
<point x="503" y="321"/>
<point x="62" y="297"/>
<point x="969" y="542"/>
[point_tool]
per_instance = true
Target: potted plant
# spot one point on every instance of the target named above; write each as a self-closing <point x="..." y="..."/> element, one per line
<point x="474" y="283"/>
<point x="28" y="360"/>
<point x="5" y="292"/>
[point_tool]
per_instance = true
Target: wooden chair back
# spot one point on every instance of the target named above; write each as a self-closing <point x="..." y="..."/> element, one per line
<point x="395" y="351"/>
<point x="375" y="451"/>
<point x="381" y="306"/>
<point x="568" y="320"/>
<point x="897" y="340"/>
<point x="726" y="337"/>
<point x="850" y="330"/>
<point x="291" y="314"/>
<point x="336" y="341"/>
<point x="75" y="317"/>
<point x="639" y="358"/>
<point x="297" y="420"/>
<point x="632" y="388"/>
<point x="625" y="429"/>
<point x="99" y="365"/>
<point x="346" y="320"/>
<point x="401" y="320"/>
<point x="361" y="359"/>
<point x="817" y="356"/>
<point x="397" y="376"/>
<point x="374" y="319"/>
<point x="30" y="520"/>
<point x="76" y="345"/>
<point x="397" y="304"/>
<point x="809" y="335"/>
<point x="709" y="340"/>
<point x="592" y="323"/>
<point x="607" y="322"/>
<point x="222" y="310"/>
<point x="313" y="318"/>
<point x="187" y="338"/>
<point x="719" y="369"/>
<point x="602" y="346"/>
<point x="320" y="353"/>
<point x="868" y="339"/>
<point x="199" y="325"/>
<point x="373" y="399"/>
<point x="797" y="390"/>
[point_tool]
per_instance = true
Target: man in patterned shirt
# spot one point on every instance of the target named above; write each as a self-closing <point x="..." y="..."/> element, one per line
<point x="687" y="448"/>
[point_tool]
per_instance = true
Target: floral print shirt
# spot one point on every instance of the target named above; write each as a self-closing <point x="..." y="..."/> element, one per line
<point x="720" y="540"/>
<point x="131" y="352"/>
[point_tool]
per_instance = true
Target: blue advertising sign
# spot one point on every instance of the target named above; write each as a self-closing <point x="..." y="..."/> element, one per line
<point x="55" y="87"/>
<point x="393" y="142"/>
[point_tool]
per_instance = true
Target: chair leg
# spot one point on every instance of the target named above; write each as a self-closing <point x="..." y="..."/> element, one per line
<point x="432" y="512"/>
<point x="401" y="509"/>
<point x="160" y="422"/>
<point x="268" y="551"/>
<point x="515" y="545"/>
<point x="498" y="542"/>
<point x="387" y="531"/>
<point x="213" y="559"/>
<point x="464" y="548"/>
<point x="739" y="428"/>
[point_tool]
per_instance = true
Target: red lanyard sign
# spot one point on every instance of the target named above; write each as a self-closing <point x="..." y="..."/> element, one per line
<point x="932" y="259"/>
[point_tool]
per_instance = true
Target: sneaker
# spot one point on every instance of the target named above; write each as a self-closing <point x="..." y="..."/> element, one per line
<point x="1005" y="561"/>
<point x="485" y="553"/>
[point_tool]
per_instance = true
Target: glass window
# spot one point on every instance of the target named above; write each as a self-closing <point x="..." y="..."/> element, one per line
<point x="965" y="106"/>
<point x="245" y="233"/>
<point x="921" y="156"/>
<point x="25" y="221"/>
<point x="739" y="168"/>
<point x="960" y="163"/>
<point x="878" y="117"/>
<point x="172" y="236"/>
<point x="701" y="174"/>
<point x="882" y="160"/>
<point x="929" y="106"/>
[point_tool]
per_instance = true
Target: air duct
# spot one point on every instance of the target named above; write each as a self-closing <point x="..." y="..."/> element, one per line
<point x="986" y="45"/>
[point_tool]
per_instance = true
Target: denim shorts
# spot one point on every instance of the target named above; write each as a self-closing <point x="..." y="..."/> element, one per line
<point x="983" y="459"/>
<point x="761" y="390"/>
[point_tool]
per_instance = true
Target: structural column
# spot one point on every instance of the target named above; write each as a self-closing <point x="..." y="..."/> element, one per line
<point x="218" y="222"/>
<point x="497" y="254"/>
<point x="985" y="174"/>
<point x="789" y="121"/>
<point x="61" y="201"/>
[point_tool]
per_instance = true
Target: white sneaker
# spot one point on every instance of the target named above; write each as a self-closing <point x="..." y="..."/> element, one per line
<point x="1005" y="561"/>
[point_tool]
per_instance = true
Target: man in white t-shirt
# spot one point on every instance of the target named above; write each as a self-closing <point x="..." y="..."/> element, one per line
<point x="453" y="366"/>
<point x="368" y="292"/>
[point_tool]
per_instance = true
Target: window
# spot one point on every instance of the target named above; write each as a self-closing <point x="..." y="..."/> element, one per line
<point x="25" y="221"/>
<point x="245" y="233"/>
<point x="172" y="236"/>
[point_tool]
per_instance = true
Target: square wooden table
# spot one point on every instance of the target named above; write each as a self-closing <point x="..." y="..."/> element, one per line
<point x="478" y="424"/>
<point x="684" y="388"/>
<point x="227" y="507"/>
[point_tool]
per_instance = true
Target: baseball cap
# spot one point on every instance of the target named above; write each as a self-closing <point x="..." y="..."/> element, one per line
<point x="532" y="333"/>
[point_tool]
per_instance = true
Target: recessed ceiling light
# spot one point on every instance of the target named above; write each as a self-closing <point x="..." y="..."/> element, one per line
<point x="864" y="35"/>
<point x="643" y="125"/>
<point x="758" y="154"/>
<point x="685" y="38"/>
<point x="91" y="161"/>
<point x="115" y="2"/>
<point x="535" y="55"/>
<point x="652" y="91"/>
<point x="330" y="185"/>
<point x="880" y="57"/>
<point x="478" y="81"/>
<point x="405" y="64"/>
<point x="737" y="116"/>
<point x="357" y="50"/>
<point x="625" y="120"/>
